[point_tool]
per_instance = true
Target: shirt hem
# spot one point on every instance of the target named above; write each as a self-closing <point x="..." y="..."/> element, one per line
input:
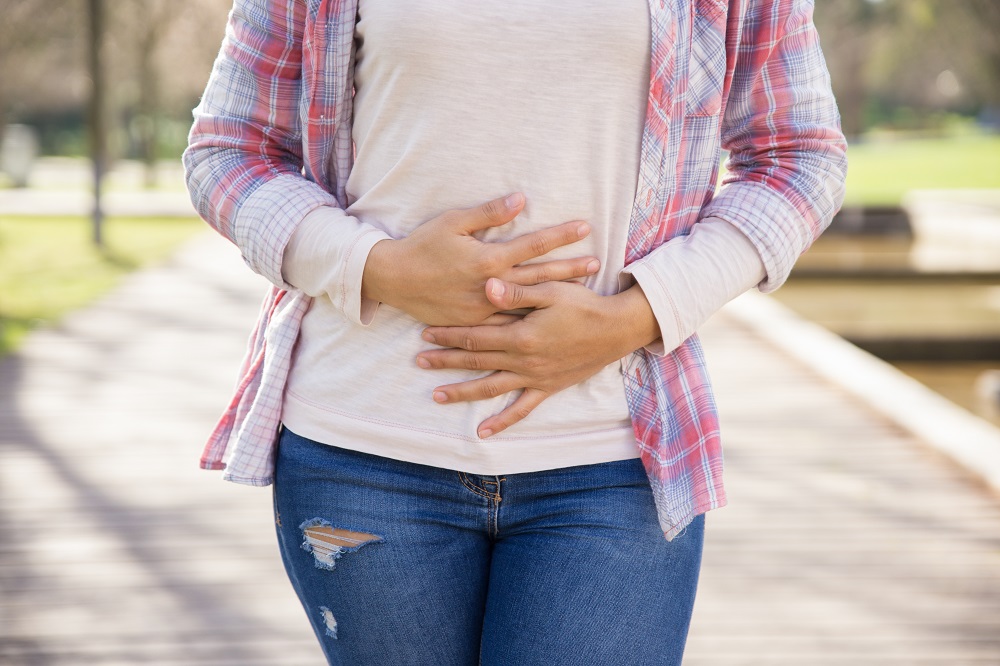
<point x="495" y="455"/>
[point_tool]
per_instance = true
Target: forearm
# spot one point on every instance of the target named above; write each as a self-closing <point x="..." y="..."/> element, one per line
<point x="787" y="160"/>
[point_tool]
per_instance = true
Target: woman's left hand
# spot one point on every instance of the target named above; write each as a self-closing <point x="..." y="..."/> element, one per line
<point x="568" y="336"/>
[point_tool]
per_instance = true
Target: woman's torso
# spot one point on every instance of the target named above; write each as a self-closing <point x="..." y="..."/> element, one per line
<point x="455" y="104"/>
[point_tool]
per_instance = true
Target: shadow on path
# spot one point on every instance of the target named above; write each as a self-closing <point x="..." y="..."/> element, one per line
<point x="115" y="547"/>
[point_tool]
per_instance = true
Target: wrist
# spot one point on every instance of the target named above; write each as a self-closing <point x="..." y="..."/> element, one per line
<point x="378" y="281"/>
<point x="637" y="325"/>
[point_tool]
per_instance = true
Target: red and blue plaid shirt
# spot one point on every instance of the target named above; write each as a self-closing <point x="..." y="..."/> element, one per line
<point x="271" y="142"/>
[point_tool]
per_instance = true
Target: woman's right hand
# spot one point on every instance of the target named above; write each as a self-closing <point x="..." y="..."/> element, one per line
<point x="438" y="273"/>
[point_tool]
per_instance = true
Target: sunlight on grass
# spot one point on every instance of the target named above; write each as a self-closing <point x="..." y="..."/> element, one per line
<point x="882" y="171"/>
<point x="48" y="265"/>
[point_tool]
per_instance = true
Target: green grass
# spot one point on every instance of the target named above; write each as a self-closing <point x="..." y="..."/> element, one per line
<point x="882" y="171"/>
<point x="49" y="266"/>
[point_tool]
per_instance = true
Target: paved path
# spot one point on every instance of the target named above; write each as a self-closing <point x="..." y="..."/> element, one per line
<point x="134" y="203"/>
<point x="846" y="540"/>
<point x="62" y="186"/>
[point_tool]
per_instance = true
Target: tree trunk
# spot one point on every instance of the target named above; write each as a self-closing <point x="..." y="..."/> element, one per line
<point x="98" y="137"/>
<point x="148" y="106"/>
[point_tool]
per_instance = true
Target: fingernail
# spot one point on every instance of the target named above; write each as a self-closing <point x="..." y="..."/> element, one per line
<point x="593" y="266"/>
<point x="513" y="200"/>
<point x="484" y="433"/>
<point x="583" y="230"/>
<point x="423" y="362"/>
<point x="428" y="336"/>
<point x="440" y="396"/>
<point x="497" y="289"/>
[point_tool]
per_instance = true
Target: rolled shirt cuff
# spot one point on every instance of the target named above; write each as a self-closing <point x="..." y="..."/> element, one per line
<point x="325" y="257"/>
<point x="689" y="278"/>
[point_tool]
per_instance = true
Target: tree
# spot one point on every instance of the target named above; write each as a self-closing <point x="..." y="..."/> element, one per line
<point x="849" y="29"/>
<point x="968" y="30"/>
<point x="95" y="118"/>
<point x="925" y="55"/>
<point x="158" y="57"/>
<point x="163" y="37"/>
<point x="41" y="63"/>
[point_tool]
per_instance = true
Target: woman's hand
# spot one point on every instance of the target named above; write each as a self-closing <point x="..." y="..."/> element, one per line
<point x="437" y="273"/>
<point x="570" y="335"/>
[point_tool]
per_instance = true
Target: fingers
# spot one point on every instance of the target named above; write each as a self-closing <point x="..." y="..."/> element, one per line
<point x="472" y="338"/>
<point x="492" y="386"/>
<point x="549" y="271"/>
<point x="483" y="388"/>
<point x="500" y="318"/>
<point x="493" y="213"/>
<point x="510" y="296"/>
<point x="517" y="411"/>
<point x="541" y="242"/>
<point x="461" y="359"/>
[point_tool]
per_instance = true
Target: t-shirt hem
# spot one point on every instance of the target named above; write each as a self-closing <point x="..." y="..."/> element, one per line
<point x="496" y="455"/>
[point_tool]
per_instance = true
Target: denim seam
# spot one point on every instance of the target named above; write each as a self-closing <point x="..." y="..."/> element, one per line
<point x="495" y="517"/>
<point x="491" y="526"/>
<point x="479" y="491"/>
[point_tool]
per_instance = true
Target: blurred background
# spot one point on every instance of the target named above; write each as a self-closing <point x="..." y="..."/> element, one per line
<point x="909" y="272"/>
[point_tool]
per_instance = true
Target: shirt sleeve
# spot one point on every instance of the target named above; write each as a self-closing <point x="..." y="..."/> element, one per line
<point x="787" y="159"/>
<point x="244" y="161"/>
<point x="325" y="257"/>
<point x="687" y="279"/>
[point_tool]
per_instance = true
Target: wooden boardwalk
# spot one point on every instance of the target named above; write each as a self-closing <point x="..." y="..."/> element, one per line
<point x="846" y="540"/>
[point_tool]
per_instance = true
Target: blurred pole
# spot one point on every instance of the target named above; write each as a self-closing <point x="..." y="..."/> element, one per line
<point x="98" y="137"/>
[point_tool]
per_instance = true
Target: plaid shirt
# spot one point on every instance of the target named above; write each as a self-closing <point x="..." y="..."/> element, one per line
<point x="271" y="142"/>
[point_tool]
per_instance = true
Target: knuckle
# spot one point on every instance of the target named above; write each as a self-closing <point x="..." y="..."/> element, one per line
<point x="538" y="245"/>
<point x="486" y="264"/>
<point x="522" y="412"/>
<point x="491" y="389"/>
<point x="469" y="343"/>
<point x="533" y="363"/>
<point x="473" y="362"/>
<point x="491" y="209"/>
<point x="516" y="294"/>
<point x="526" y="342"/>
<point x="542" y="274"/>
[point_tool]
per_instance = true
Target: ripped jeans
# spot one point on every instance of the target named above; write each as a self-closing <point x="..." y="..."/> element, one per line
<point x="399" y="563"/>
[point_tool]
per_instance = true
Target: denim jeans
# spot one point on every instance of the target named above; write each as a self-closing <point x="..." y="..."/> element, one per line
<point x="400" y="563"/>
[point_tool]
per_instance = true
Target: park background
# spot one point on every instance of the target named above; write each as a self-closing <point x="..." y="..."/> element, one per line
<point x="909" y="272"/>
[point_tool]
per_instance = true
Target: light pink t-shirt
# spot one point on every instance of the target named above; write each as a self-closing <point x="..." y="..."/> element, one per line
<point x="458" y="103"/>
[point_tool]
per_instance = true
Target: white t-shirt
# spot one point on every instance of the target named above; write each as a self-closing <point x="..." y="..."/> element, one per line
<point x="458" y="103"/>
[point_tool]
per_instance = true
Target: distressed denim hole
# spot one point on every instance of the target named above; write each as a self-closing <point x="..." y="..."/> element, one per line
<point x="327" y="543"/>
<point x="329" y="620"/>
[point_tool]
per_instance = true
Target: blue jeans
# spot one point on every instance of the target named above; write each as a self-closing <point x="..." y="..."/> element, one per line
<point x="399" y="563"/>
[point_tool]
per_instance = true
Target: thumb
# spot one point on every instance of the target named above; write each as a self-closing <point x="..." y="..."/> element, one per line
<point x="510" y="296"/>
<point x="494" y="213"/>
